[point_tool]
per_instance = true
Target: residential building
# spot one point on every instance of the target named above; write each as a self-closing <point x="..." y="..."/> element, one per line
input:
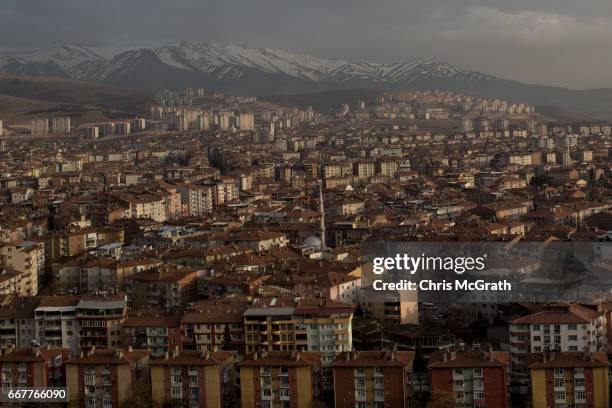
<point x="280" y="379"/>
<point x="215" y="325"/>
<point x="194" y="379"/>
<point x="100" y="320"/>
<point x="104" y="378"/>
<point x="33" y="367"/>
<point x="166" y="287"/>
<point x="155" y="331"/>
<point x="373" y="379"/>
<point x="27" y="257"/>
<point x="472" y="378"/>
<point x="561" y="328"/>
<point x="578" y="380"/>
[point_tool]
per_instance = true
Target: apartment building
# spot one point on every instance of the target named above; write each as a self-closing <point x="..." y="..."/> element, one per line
<point x="194" y="379"/>
<point x="378" y="379"/>
<point x="364" y="169"/>
<point x="166" y="287"/>
<point x="13" y="281"/>
<point x="33" y="367"/>
<point x="56" y="322"/>
<point x="72" y="243"/>
<point x="279" y="379"/>
<point x="198" y="200"/>
<point x="225" y="190"/>
<point x="27" y="257"/>
<point x="399" y="306"/>
<point x="103" y="378"/>
<point x="324" y="326"/>
<point x="152" y="330"/>
<point x="472" y="378"/>
<point x="17" y="325"/>
<point x="143" y="205"/>
<point x="100" y="319"/>
<point x="260" y="240"/>
<point x="578" y="380"/>
<point x="215" y="325"/>
<point x="561" y="327"/>
<point x="335" y="170"/>
<point x="286" y="324"/>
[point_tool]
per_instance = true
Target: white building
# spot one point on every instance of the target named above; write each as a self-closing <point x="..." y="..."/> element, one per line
<point x="39" y="127"/>
<point x="563" y="327"/>
<point x="60" y="125"/>
<point x="56" y="323"/>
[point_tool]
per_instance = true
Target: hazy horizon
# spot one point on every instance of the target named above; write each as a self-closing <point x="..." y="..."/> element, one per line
<point x="548" y="42"/>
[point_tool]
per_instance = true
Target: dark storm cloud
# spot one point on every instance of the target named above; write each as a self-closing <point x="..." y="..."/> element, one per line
<point x="561" y="42"/>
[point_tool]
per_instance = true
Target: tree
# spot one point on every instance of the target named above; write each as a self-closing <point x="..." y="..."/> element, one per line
<point x="539" y="181"/>
<point x="140" y="395"/>
<point x="444" y="400"/>
<point x="227" y="339"/>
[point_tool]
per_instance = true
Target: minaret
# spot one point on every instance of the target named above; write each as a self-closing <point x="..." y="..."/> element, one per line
<point x="322" y="216"/>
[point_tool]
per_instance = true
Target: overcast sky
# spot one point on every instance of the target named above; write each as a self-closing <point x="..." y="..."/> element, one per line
<point x="555" y="42"/>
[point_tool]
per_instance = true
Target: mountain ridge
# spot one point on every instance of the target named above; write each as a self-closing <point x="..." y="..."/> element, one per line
<point x="267" y="71"/>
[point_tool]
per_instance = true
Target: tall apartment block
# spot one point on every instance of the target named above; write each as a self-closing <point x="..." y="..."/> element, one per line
<point x="193" y="379"/>
<point x="310" y="325"/>
<point x="33" y="367"/>
<point x="104" y="378"/>
<point x="562" y="328"/>
<point x="281" y="379"/>
<point x="60" y="125"/>
<point x="377" y="379"/>
<point x="578" y="380"/>
<point x="27" y="257"/>
<point x="39" y="127"/>
<point x="471" y="378"/>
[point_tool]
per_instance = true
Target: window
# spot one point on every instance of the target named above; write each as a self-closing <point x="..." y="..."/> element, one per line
<point x="459" y="396"/>
<point x="559" y="382"/>
<point x="558" y="372"/>
<point x="580" y="395"/>
<point x="379" y="395"/>
<point x="572" y="327"/>
<point x="479" y="394"/>
<point x="107" y="402"/>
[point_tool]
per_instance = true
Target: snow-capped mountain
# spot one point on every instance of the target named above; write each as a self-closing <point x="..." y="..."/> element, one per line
<point x="262" y="71"/>
<point x="218" y="62"/>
